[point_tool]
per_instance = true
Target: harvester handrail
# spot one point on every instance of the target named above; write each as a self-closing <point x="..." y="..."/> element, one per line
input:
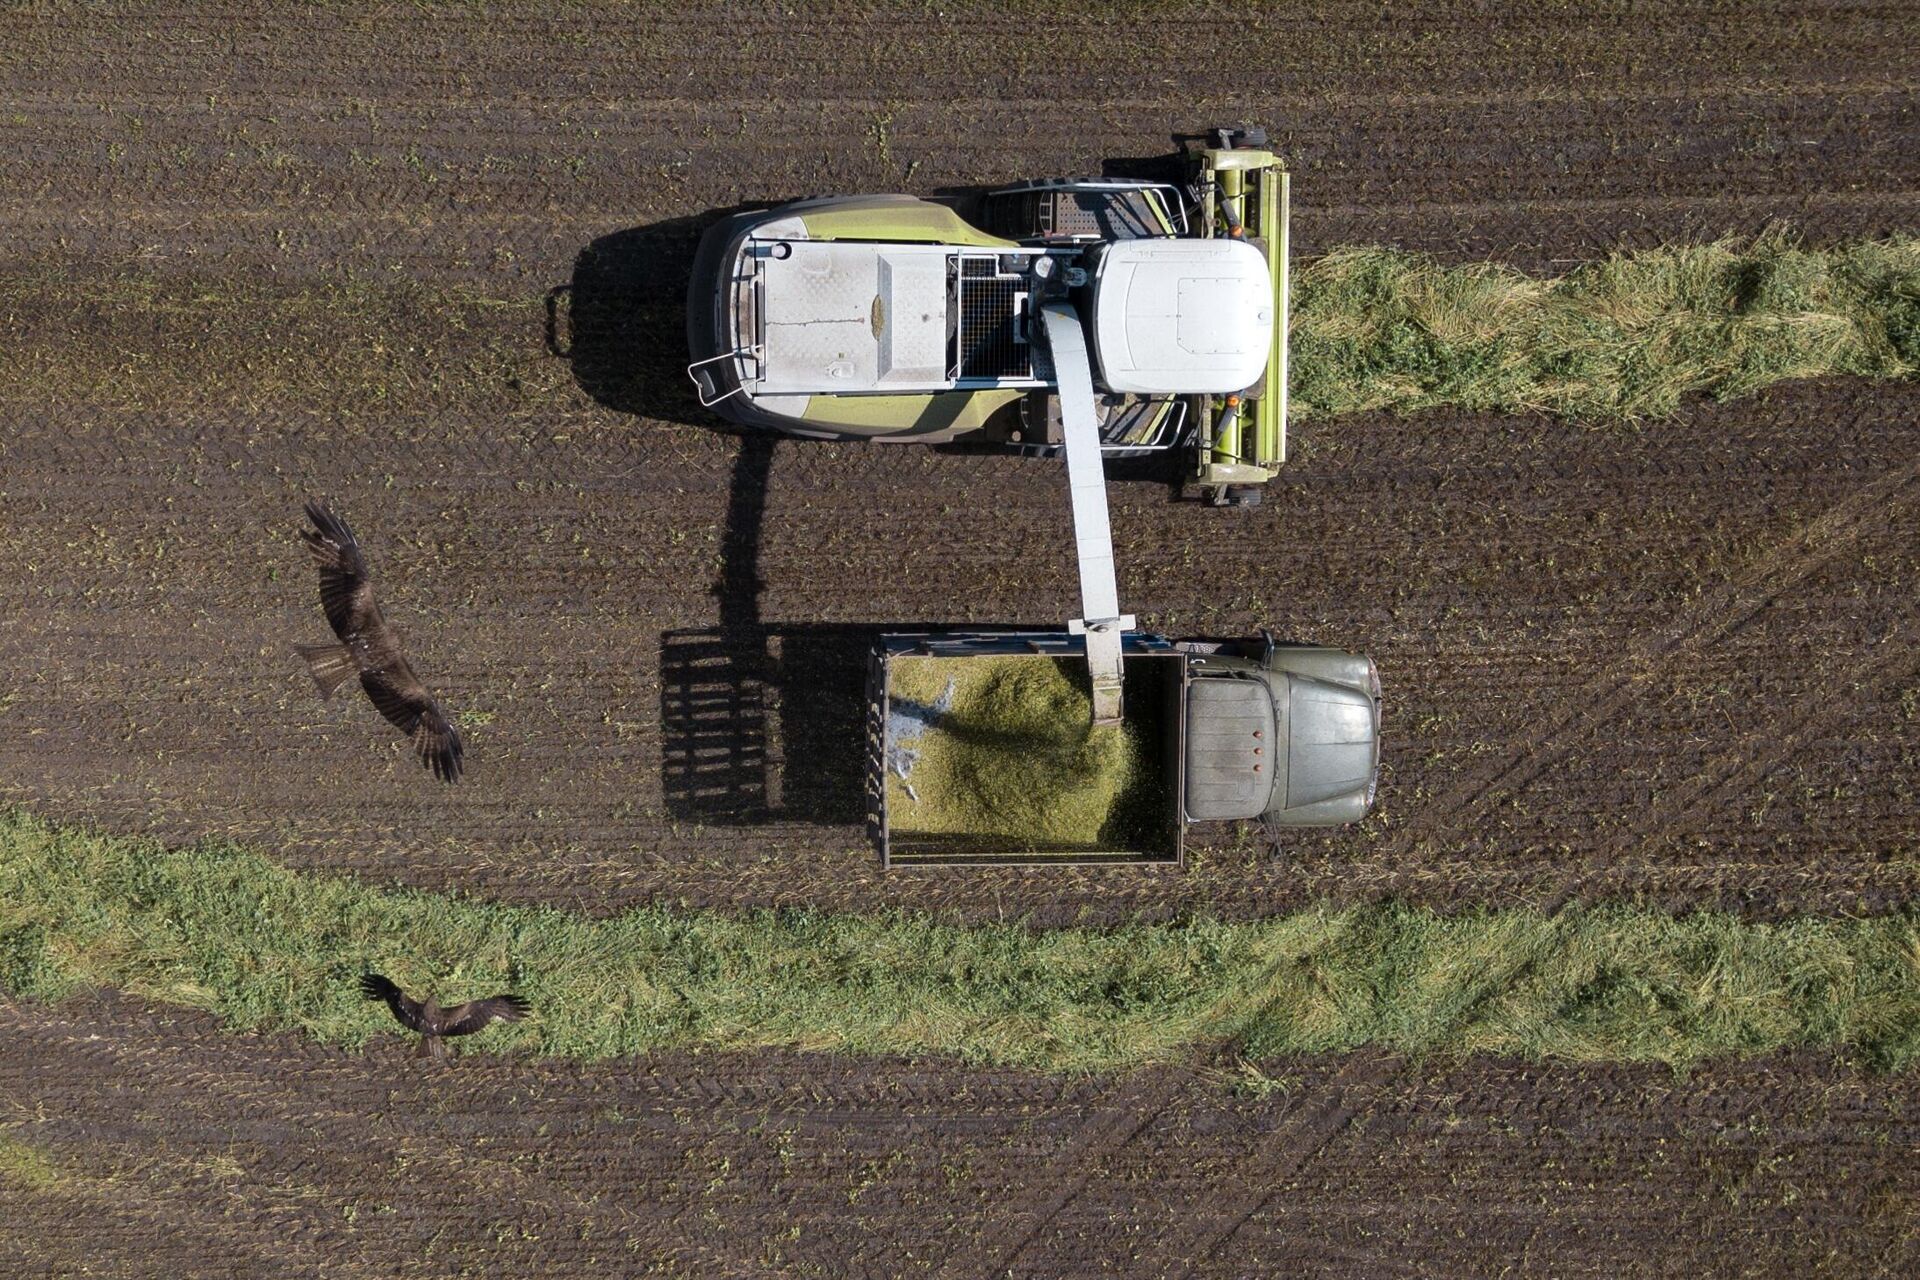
<point x="756" y="351"/>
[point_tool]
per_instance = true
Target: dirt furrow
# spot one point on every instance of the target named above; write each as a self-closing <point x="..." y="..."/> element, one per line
<point x="808" y="1165"/>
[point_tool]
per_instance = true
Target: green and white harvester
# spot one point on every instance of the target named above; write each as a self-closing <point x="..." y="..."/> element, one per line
<point x="1093" y="318"/>
<point x="897" y="319"/>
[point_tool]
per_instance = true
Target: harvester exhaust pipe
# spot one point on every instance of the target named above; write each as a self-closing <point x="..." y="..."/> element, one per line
<point x="1101" y="621"/>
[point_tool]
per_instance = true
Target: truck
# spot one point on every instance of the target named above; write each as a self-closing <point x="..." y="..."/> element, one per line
<point x="1284" y="734"/>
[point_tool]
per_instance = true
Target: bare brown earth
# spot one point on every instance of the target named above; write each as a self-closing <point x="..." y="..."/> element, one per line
<point x="253" y="263"/>
<point x="1674" y="661"/>
<point x="486" y="143"/>
<point x="192" y="1152"/>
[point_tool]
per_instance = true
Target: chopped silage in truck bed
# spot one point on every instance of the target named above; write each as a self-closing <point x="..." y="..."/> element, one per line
<point x="1005" y="747"/>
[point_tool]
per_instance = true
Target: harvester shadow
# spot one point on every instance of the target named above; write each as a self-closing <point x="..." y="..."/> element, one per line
<point x="759" y="723"/>
<point x="764" y="722"/>
<point x="621" y="321"/>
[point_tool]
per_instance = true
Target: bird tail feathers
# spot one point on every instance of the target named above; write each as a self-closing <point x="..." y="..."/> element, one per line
<point x="328" y="664"/>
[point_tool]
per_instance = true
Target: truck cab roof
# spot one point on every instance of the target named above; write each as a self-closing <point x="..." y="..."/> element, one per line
<point x="1230" y="747"/>
<point x="1280" y="744"/>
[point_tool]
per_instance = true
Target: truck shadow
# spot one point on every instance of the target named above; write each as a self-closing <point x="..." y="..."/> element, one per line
<point x="765" y="722"/>
<point x="765" y="725"/>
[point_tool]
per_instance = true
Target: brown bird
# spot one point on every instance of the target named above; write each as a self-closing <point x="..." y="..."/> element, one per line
<point x="369" y="648"/>
<point x="432" y="1022"/>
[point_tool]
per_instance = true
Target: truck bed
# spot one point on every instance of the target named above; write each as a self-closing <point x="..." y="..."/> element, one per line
<point x="1010" y="796"/>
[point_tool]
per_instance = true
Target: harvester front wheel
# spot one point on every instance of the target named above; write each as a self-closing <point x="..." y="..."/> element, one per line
<point x="1244" y="138"/>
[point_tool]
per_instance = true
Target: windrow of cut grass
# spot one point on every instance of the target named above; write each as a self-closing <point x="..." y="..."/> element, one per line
<point x="1625" y="337"/>
<point x="224" y="930"/>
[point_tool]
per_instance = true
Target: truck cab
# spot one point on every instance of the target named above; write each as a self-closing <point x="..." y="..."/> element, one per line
<point x="1283" y="733"/>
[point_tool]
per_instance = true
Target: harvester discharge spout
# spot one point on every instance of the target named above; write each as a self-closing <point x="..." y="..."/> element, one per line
<point x="1101" y="621"/>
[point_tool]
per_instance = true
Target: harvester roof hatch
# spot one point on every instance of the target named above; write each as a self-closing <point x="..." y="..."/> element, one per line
<point x="1182" y="317"/>
<point x="1101" y="620"/>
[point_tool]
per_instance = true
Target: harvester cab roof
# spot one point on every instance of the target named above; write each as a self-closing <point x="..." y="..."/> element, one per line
<point x="1181" y="317"/>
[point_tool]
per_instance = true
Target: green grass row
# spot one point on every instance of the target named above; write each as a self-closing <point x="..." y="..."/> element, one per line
<point x="1625" y="337"/>
<point x="1621" y="338"/>
<point x="226" y="931"/>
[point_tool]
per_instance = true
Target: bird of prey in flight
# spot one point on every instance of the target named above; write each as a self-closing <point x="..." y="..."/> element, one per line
<point x="434" y="1023"/>
<point x="369" y="648"/>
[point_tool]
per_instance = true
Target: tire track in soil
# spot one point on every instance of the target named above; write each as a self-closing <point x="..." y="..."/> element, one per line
<point x="1308" y="1129"/>
<point x="1127" y="1108"/>
<point x="1697" y="627"/>
<point x="1137" y="1101"/>
<point x="1757" y="753"/>
<point x="346" y="1145"/>
<point x="1303" y="1134"/>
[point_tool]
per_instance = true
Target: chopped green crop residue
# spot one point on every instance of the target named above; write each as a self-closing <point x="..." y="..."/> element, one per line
<point x="1006" y="748"/>
<point x="1623" y="338"/>
<point x="222" y="929"/>
<point x="24" y="1166"/>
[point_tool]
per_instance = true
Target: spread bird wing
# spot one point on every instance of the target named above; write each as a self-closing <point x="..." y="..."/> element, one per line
<point x="345" y="593"/>
<point x="399" y="695"/>
<point x="465" y="1019"/>
<point x="407" y="1011"/>
<point x="388" y="679"/>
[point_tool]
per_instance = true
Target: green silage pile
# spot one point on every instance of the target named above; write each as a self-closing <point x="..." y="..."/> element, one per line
<point x="1014" y="755"/>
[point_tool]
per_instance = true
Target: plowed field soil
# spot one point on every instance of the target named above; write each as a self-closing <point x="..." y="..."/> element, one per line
<point x="1674" y="660"/>
<point x="170" y="1148"/>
